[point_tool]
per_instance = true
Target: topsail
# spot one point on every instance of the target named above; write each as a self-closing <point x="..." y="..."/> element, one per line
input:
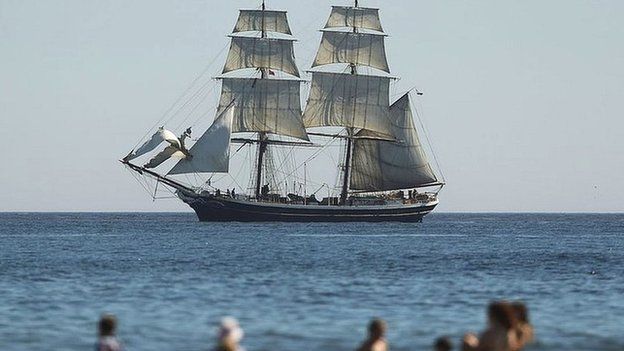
<point x="250" y="52"/>
<point x="347" y="100"/>
<point x="358" y="17"/>
<point x="253" y="20"/>
<point x="353" y="48"/>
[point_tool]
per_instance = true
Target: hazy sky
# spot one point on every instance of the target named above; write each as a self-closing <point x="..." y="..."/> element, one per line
<point x="524" y="100"/>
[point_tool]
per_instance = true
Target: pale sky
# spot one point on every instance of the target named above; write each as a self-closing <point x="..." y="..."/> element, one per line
<point x="524" y="100"/>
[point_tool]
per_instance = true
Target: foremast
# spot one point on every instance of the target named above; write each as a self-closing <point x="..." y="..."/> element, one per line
<point x="267" y="103"/>
<point x="344" y="193"/>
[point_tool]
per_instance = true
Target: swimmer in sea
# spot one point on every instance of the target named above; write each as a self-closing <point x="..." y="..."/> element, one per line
<point x="501" y="333"/>
<point x="107" y="341"/>
<point x="376" y="340"/>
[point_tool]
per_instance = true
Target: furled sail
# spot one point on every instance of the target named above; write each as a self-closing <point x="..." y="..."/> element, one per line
<point x="161" y="135"/>
<point x="384" y="165"/>
<point x="346" y="100"/>
<point x="264" y="105"/>
<point x="248" y="52"/>
<point x="175" y="149"/>
<point x="252" y="20"/>
<point x="358" y="17"/>
<point x="355" y="48"/>
<point x="169" y="152"/>
<point x="211" y="152"/>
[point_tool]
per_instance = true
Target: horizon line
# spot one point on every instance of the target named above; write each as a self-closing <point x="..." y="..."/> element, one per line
<point x="191" y="212"/>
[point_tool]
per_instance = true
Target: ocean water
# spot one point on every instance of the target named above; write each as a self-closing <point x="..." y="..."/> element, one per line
<point x="169" y="279"/>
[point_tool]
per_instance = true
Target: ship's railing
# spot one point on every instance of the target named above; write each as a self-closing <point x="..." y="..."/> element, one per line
<point x="355" y="200"/>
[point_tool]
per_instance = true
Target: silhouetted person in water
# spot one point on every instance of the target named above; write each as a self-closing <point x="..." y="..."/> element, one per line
<point x="524" y="328"/>
<point x="230" y="335"/>
<point x="442" y="344"/>
<point x="501" y="333"/>
<point x="106" y="339"/>
<point x="376" y="340"/>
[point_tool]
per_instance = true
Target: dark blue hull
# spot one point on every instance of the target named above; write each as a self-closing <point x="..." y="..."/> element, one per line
<point x="223" y="209"/>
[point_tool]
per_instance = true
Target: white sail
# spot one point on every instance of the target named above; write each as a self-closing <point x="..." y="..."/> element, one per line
<point x="252" y="20"/>
<point x="264" y="105"/>
<point x="161" y="135"/>
<point x="345" y="100"/>
<point x="169" y="152"/>
<point x="383" y="165"/>
<point x="211" y="152"/>
<point x="248" y="52"/>
<point x="358" y="17"/>
<point x="356" y="48"/>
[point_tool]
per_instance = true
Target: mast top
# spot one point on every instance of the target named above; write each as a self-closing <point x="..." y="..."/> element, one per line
<point x="263" y="29"/>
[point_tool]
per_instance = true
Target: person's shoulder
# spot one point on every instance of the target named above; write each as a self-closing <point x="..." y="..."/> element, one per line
<point x="380" y="345"/>
<point x="108" y="343"/>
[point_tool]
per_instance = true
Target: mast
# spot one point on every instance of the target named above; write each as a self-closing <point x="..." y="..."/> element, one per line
<point x="349" y="99"/>
<point x="262" y="145"/>
<point x="345" y="181"/>
<point x="264" y="105"/>
<point x="344" y="193"/>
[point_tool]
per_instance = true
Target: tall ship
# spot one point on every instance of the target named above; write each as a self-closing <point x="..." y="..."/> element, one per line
<point x="352" y="154"/>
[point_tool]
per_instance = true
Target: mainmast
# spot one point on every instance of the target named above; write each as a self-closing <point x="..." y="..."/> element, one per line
<point x="352" y="100"/>
<point x="262" y="144"/>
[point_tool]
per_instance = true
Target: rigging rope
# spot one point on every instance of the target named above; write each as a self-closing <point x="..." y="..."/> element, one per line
<point x="177" y="101"/>
<point x="435" y="158"/>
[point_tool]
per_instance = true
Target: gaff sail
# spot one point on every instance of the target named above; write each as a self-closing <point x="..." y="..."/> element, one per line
<point x="383" y="165"/>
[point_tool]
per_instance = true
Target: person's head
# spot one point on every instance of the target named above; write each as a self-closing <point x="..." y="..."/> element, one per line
<point x="377" y="328"/>
<point x="443" y="344"/>
<point x="469" y="342"/>
<point x="521" y="312"/>
<point x="501" y="313"/>
<point x="107" y="325"/>
<point x="230" y="332"/>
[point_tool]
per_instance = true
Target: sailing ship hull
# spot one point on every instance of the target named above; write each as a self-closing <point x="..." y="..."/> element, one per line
<point x="222" y="209"/>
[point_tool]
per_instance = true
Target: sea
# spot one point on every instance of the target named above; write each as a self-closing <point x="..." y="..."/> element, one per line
<point x="169" y="279"/>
